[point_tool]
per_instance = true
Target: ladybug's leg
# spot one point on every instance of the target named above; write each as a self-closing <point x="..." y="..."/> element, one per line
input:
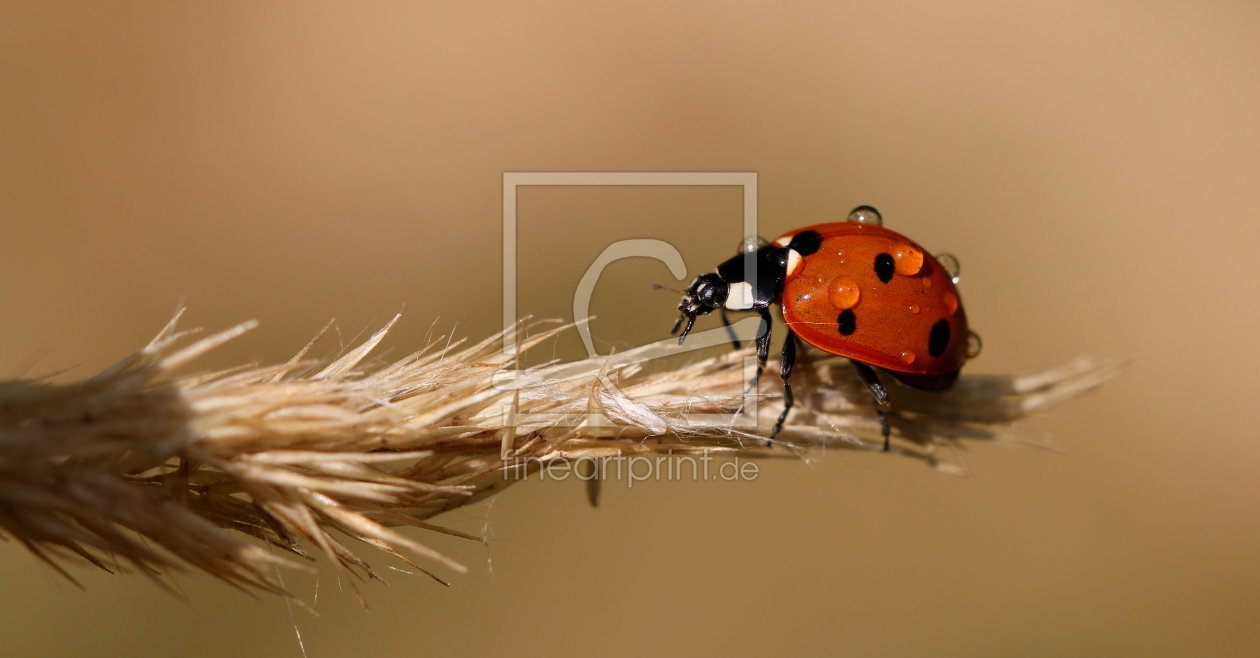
<point x="785" y="371"/>
<point x="730" y="332"/>
<point x="763" y="346"/>
<point x="871" y="379"/>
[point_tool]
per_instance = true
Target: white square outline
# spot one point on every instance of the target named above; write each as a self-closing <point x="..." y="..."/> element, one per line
<point x="746" y="180"/>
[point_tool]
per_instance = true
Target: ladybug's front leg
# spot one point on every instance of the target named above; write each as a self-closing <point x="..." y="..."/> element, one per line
<point x="730" y="331"/>
<point x="871" y="379"/>
<point x="763" y="347"/>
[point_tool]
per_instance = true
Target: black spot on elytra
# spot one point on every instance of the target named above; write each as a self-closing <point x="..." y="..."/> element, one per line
<point x="939" y="338"/>
<point x="805" y="243"/>
<point x="884" y="267"/>
<point x="847" y="322"/>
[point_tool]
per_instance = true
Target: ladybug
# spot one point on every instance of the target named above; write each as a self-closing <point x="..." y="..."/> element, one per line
<point x="854" y="289"/>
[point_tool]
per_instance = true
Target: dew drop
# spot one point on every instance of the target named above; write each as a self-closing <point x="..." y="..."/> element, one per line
<point x="951" y="301"/>
<point x="927" y="283"/>
<point x="951" y="265"/>
<point x="914" y="308"/>
<point x="866" y="215"/>
<point x="908" y="259"/>
<point x="974" y="346"/>
<point x="844" y="293"/>
<point x="752" y="243"/>
<point x="908" y="357"/>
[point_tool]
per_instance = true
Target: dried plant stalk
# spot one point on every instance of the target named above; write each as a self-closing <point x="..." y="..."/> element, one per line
<point x="140" y="469"/>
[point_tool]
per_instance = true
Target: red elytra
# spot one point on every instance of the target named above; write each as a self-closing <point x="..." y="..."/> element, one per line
<point x="897" y="323"/>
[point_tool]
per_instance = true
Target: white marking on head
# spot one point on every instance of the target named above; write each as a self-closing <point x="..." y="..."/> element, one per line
<point x="794" y="261"/>
<point x="740" y="297"/>
<point x="784" y="241"/>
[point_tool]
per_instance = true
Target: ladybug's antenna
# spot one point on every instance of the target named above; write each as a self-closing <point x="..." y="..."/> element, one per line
<point x="657" y="286"/>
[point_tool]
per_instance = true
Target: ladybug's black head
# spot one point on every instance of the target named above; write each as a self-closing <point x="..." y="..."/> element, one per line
<point x="748" y="281"/>
<point x="707" y="292"/>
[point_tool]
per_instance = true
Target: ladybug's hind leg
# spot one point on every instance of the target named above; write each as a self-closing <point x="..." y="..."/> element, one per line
<point x="871" y="379"/>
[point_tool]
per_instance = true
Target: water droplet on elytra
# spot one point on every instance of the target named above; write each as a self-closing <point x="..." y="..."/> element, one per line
<point x="908" y="259"/>
<point x="908" y="357"/>
<point x="844" y="293"/>
<point x="914" y="308"/>
<point x="866" y="215"/>
<point x="973" y="345"/>
<point x="951" y="301"/>
<point x="951" y="265"/>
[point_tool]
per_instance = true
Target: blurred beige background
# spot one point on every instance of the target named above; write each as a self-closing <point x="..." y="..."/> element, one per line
<point x="1094" y="165"/>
